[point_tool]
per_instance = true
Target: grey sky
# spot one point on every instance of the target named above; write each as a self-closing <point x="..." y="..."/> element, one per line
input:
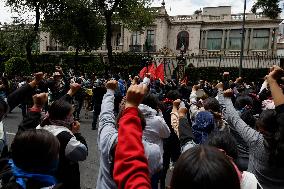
<point x="174" y="7"/>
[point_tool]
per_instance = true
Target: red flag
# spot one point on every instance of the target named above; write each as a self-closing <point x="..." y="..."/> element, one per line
<point x="152" y="71"/>
<point x="143" y="72"/>
<point x="160" y="74"/>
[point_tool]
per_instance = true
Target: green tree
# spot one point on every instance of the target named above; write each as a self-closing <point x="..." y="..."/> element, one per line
<point x="36" y="6"/>
<point x="13" y="38"/>
<point x="270" y="8"/>
<point x="75" y="23"/>
<point x="134" y="14"/>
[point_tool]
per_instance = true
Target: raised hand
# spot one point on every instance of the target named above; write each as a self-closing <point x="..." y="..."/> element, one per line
<point x="195" y="87"/>
<point x="228" y="93"/>
<point x="74" y="87"/>
<point x="182" y="112"/>
<point x="238" y="80"/>
<point x="135" y="95"/>
<point x="275" y="74"/>
<point x="220" y="86"/>
<point x="40" y="100"/>
<point x="112" y="84"/>
<point x="135" y="80"/>
<point x="176" y="103"/>
<point x="39" y="76"/>
<point x="75" y="127"/>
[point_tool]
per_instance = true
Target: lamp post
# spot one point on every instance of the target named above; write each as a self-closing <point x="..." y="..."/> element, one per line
<point x="181" y="63"/>
<point x="242" y="42"/>
<point x="147" y="48"/>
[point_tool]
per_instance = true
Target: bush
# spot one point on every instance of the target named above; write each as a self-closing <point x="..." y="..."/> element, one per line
<point x="215" y="73"/>
<point x="17" y="66"/>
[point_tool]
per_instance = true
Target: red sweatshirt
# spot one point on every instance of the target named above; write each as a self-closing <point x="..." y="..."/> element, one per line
<point x="130" y="164"/>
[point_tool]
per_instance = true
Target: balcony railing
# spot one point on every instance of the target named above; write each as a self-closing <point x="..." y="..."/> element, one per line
<point x="151" y="48"/>
<point x="135" y="48"/>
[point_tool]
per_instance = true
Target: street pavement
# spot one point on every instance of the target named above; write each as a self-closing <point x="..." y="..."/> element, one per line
<point x="89" y="168"/>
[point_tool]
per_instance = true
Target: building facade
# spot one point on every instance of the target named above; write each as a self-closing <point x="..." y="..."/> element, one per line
<point x="215" y="30"/>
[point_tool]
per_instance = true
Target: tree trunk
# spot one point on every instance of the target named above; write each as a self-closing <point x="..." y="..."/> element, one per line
<point x="32" y="38"/>
<point x="108" y="41"/>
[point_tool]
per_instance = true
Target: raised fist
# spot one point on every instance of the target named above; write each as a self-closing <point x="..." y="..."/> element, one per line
<point x="39" y="77"/>
<point x="75" y="127"/>
<point x="182" y="112"/>
<point x="74" y="87"/>
<point x="135" y="95"/>
<point x="176" y="103"/>
<point x="40" y="99"/>
<point x="220" y="86"/>
<point x="112" y="84"/>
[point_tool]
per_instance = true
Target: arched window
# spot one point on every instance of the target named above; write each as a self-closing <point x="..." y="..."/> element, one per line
<point x="182" y="40"/>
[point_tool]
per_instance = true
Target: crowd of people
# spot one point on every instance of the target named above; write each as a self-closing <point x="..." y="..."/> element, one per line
<point x="209" y="134"/>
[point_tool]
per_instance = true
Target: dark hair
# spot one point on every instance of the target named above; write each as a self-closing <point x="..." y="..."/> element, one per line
<point x="212" y="104"/>
<point x="225" y="141"/>
<point x="35" y="151"/>
<point x="58" y="110"/>
<point x="243" y="101"/>
<point x="271" y="126"/>
<point x="140" y="115"/>
<point x="173" y="95"/>
<point x="151" y="100"/>
<point x="204" y="167"/>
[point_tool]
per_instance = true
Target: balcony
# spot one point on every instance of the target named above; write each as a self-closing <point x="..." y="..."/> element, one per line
<point x="152" y="48"/>
<point x="135" y="48"/>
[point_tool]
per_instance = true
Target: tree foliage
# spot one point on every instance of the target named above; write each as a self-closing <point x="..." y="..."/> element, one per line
<point x="13" y="38"/>
<point x="270" y="8"/>
<point x="134" y="15"/>
<point x="75" y="23"/>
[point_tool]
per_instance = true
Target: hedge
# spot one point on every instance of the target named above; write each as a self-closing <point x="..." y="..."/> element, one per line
<point x="17" y="66"/>
<point x="215" y="73"/>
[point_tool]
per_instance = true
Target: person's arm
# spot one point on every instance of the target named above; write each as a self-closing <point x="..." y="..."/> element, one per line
<point x="130" y="164"/>
<point x="175" y="122"/>
<point x="33" y="118"/>
<point x="249" y="135"/>
<point x="184" y="128"/>
<point x="107" y="122"/>
<point x="164" y="131"/>
<point x="276" y="73"/>
<point x="18" y="96"/>
<point x="175" y="116"/>
<point x="74" y="88"/>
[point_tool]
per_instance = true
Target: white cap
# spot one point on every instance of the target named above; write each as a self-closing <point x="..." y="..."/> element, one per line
<point x="146" y="81"/>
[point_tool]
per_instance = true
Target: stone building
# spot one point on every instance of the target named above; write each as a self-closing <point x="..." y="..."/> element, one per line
<point x="215" y="30"/>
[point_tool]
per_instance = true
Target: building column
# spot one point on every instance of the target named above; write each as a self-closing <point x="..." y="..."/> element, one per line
<point x="228" y="40"/>
<point x="223" y="40"/>
<point x="270" y="39"/>
<point x="206" y="35"/>
<point x="246" y="42"/>
<point x="275" y="41"/>
<point x="251" y="39"/>
<point x="201" y="39"/>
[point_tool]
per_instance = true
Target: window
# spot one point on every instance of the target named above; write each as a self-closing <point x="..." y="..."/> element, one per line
<point x="235" y="41"/>
<point x="135" y="38"/>
<point x="118" y="38"/>
<point x="260" y="39"/>
<point x="150" y="37"/>
<point x="214" y="40"/>
<point x="183" y="39"/>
